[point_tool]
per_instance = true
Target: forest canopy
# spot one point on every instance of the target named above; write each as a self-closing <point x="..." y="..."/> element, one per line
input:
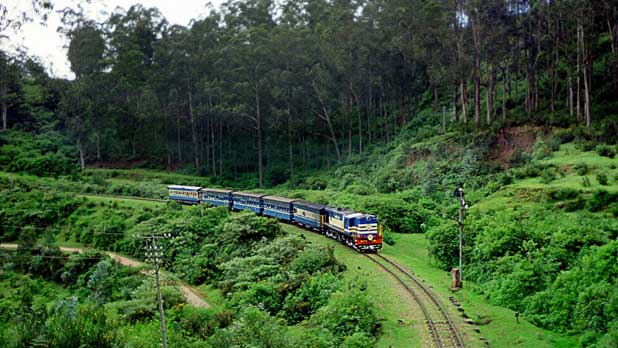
<point x="273" y="88"/>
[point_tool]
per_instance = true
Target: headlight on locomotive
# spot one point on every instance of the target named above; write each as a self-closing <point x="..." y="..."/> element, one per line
<point x="370" y="237"/>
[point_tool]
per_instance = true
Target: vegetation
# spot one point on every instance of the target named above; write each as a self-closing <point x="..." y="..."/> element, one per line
<point x="379" y="106"/>
<point x="270" y="280"/>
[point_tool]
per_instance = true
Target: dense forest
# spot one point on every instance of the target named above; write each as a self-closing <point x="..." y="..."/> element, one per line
<point x="274" y="88"/>
<point x="382" y="107"/>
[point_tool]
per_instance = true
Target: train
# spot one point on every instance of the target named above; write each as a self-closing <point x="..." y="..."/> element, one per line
<point x="357" y="230"/>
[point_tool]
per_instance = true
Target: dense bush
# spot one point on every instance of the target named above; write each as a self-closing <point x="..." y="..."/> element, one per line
<point x="605" y="150"/>
<point x="562" y="193"/>
<point x="45" y="154"/>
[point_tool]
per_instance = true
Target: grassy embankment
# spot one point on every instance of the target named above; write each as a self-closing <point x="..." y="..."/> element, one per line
<point x="498" y="323"/>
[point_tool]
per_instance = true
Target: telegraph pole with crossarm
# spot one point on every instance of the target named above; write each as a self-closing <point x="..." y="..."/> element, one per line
<point x="154" y="254"/>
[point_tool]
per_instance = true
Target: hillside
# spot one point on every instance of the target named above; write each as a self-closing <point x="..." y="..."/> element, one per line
<point x="381" y="107"/>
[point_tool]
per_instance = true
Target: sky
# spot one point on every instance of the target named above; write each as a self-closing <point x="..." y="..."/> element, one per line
<point x="43" y="41"/>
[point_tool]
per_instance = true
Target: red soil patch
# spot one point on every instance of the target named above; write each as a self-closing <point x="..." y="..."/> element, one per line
<point x="510" y="140"/>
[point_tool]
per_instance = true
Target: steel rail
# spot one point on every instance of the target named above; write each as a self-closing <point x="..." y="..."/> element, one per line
<point x="438" y="339"/>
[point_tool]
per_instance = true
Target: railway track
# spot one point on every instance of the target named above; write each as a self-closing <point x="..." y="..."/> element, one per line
<point x="443" y="332"/>
<point x="137" y="198"/>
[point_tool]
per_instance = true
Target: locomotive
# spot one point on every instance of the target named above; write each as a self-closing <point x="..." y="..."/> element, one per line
<point x="357" y="230"/>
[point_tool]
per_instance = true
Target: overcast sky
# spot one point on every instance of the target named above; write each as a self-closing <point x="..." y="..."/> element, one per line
<point x="46" y="43"/>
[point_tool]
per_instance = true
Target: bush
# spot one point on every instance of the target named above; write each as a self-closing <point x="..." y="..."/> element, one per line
<point x="601" y="199"/>
<point x="348" y="313"/>
<point x="575" y="205"/>
<point x="605" y="151"/>
<point x="562" y="193"/>
<point x="548" y="176"/>
<point x="506" y="179"/>
<point x="581" y="169"/>
<point x="602" y="179"/>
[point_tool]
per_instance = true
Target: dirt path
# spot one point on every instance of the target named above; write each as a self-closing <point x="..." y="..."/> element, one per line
<point x="191" y="294"/>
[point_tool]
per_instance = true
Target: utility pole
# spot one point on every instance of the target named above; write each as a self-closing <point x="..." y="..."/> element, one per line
<point x="154" y="253"/>
<point x="463" y="206"/>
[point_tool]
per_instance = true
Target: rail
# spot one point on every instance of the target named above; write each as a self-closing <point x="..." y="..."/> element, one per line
<point x="442" y="329"/>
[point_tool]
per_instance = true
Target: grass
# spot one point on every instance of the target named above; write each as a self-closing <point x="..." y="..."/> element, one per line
<point x="399" y="322"/>
<point x="502" y="330"/>
<point x="567" y="158"/>
<point x="411" y="251"/>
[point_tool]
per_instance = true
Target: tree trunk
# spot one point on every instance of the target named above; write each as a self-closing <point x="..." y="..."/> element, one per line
<point x="326" y="117"/>
<point x="577" y="102"/>
<point x="196" y="152"/>
<point x="454" y="101"/>
<point x="388" y="136"/>
<point x="213" y="154"/>
<point x="82" y="156"/>
<point x="290" y="148"/>
<point x="477" y="71"/>
<point x="221" y="148"/>
<point x="98" y="137"/>
<point x="587" y="65"/>
<point x="505" y="82"/>
<point x="488" y="101"/>
<point x="528" y="84"/>
<point x="5" y="116"/>
<point x="570" y="101"/>
<point x="350" y="142"/>
<point x="258" y="118"/>
<point x="464" y="101"/>
<point x="178" y="145"/>
<point x="613" y="34"/>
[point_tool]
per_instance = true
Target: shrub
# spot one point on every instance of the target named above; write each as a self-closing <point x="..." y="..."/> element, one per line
<point x="601" y="199"/>
<point x="587" y="145"/>
<point x="575" y="205"/>
<point x="605" y="151"/>
<point x="586" y="182"/>
<point x="554" y="143"/>
<point x="562" y="193"/>
<point x="506" y="179"/>
<point x="348" y="313"/>
<point x="602" y="179"/>
<point x="581" y="169"/>
<point x="548" y="176"/>
<point x="314" y="259"/>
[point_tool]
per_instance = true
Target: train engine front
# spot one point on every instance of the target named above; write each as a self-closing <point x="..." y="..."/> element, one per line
<point x="366" y="232"/>
<point x="360" y="231"/>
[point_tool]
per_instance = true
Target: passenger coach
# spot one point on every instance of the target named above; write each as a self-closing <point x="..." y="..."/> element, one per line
<point x="184" y="194"/>
<point x="247" y="201"/>
<point x="217" y="197"/>
<point x="358" y="230"/>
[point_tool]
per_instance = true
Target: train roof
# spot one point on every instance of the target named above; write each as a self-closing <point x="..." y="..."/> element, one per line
<point x="309" y="204"/>
<point x="216" y="190"/>
<point x="280" y="199"/>
<point x="247" y="194"/>
<point x="181" y="187"/>
<point x="345" y="212"/>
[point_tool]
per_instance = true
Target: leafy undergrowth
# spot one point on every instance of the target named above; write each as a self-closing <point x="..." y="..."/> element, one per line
<point x="276" y="290"/>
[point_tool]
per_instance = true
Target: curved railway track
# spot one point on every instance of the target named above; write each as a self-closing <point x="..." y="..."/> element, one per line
<point x="136" y="198"/>
<point x="443" y="332"/>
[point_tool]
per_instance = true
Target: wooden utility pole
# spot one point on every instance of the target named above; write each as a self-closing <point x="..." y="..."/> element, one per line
<point x="154" y="253"/>
<point x="463" y="206"/>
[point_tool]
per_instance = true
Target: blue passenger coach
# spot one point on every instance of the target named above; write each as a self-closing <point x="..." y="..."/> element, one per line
<point x="184" y="194"/>
<point x="217" y="197"/>
<point x="278" y="207"/>
<point x="247" y="201"/>
<point x="308" y="214"/>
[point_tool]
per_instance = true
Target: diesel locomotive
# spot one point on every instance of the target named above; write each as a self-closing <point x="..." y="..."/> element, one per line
<point x="357" y="230"/>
